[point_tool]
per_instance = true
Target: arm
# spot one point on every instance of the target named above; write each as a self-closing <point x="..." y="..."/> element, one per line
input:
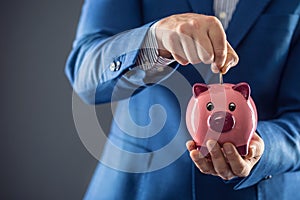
<point x="102" y="62"/>
<point x="103" y="50"/>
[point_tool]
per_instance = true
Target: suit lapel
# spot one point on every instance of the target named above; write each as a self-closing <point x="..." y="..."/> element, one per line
<point x="246" y="13"/>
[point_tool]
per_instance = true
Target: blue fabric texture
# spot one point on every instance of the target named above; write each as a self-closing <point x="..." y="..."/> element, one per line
<point x="266" y="36"/>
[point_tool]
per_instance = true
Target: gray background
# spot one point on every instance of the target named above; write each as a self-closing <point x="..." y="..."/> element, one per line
<point x="41" y="154"/>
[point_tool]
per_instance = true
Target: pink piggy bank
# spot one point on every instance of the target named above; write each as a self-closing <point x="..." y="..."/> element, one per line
<point x="222" y="112"/>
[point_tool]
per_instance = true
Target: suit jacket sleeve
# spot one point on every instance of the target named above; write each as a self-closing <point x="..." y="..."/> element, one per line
<point x="101" y="63"/>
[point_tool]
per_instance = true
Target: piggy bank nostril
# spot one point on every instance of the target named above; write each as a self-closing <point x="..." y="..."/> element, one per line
<point x="221" y="121"/>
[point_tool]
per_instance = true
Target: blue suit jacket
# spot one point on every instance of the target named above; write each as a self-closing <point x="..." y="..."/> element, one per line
<point x="148" y="129"/>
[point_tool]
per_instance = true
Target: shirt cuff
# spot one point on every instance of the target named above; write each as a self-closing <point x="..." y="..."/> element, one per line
<point x="148" y="58"/>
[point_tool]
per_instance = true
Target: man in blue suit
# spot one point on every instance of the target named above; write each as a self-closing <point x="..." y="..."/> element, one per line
<point x="145" y="55"/>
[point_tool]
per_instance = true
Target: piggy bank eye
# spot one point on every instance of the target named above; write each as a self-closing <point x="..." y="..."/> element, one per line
<point x="210" y="106"/>
<point x="232" y="106"/>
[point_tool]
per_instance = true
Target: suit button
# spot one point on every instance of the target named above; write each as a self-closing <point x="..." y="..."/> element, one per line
<point x="268" y="177"/>
<point x="115" y="66"/>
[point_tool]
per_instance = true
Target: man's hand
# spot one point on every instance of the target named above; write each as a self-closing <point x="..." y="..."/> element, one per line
<point x="194" y="38"/>
<point x="225" y="161"/>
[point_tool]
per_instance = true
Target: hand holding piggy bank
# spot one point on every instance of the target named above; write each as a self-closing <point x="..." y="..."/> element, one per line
<point x="221" y="112"/>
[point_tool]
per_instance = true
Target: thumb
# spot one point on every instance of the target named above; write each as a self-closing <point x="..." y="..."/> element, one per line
<point x="256" y="147"/>
<point x="232" y="59"/>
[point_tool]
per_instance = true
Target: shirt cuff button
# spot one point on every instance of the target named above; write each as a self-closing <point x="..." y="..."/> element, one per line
<point x="115" y="66"/>
<point x="118" y="65"/>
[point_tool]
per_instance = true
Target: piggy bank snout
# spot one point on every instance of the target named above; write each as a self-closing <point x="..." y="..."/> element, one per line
<point x="221" y="121"/>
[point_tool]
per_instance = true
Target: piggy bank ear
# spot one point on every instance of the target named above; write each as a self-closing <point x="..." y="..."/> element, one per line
<point x="243" y="88"/>
<point x="199" y="88"/>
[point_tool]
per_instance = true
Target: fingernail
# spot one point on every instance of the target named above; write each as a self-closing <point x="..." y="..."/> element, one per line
<point x="200" y="155"/>
<point x="253" y="150"/>
<point x="224" y="70"/>
<point x="227" y="148"/>
<point x="231" y="63"/>
<point x="214" y="68"/>
<point x="210" y="144"/>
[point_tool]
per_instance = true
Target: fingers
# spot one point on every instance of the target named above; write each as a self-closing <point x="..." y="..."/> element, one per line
<point x="242" y="166"/>
<point x="216" y="165"/>
<point x="257" y="143"/>
<point x="204" y="47"/>
<point x="190" y="50"/>
<point x="190" y="145"/>
<point x="225" y="161"/>
<point x="232" y="59"/>
<point x="218" y="39"/>
<point x="194" y="38"/>
<point x="204" y="164"/>
<point x="171" y="42"/>
<point x="237" y="164"/>
<point x="219" y="161"/>
<point x="183" y="47"/>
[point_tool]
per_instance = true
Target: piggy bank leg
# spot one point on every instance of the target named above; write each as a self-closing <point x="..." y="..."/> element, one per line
<point x="243" y="150"/>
